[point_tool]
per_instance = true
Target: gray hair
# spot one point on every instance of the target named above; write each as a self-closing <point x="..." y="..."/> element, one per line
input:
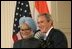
<point x="29" y="21"/>
<point x="47" y="16"/>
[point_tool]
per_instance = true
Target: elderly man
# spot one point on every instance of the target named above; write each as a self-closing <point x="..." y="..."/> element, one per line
<point x="27" y="30"/>
<point x="52" y="38"/>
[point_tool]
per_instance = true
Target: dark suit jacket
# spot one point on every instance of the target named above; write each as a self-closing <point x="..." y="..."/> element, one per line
<point x="27" y="43"/>
<point x="55" y="39"/>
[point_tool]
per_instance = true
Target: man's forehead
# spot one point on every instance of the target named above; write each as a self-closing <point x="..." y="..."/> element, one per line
<point x="41" y="18"/>
<point x="24" y="25"/>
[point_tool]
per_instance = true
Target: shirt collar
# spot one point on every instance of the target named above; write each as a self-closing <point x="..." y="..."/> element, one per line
<point x="47" y="33"/>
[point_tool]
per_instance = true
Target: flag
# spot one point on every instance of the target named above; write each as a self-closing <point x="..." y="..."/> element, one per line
<point x="22" y="10"/>
<point x="41" y="7"/>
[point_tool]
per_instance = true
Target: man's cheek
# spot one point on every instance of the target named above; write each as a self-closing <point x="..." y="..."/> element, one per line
<point x="42" y="28"/>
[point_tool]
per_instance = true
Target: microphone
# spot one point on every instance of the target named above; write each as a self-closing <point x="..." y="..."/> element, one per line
<point x="39" y="35"/>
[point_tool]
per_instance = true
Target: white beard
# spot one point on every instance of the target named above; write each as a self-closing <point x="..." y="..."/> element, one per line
<point x="28" y="36"/>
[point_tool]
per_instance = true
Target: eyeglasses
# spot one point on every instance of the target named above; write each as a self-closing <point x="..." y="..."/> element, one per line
<point x="25" y="29"/>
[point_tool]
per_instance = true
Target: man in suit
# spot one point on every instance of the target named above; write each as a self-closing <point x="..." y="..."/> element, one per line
<point x="27" y="30"/>
<point x="51" y="38"/>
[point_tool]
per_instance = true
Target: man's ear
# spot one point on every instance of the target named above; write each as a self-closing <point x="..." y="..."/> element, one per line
<point x="50" y="22"/>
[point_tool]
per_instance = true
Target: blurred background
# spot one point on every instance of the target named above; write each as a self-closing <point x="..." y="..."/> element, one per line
<point x="60" y="11"/>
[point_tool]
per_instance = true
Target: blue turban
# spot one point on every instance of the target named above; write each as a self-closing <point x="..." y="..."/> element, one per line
<point x="29" y="21"/>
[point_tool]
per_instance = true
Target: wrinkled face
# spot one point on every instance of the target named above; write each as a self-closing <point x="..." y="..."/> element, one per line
<point x="25" y="30"/>
<point x="43" y="24"/>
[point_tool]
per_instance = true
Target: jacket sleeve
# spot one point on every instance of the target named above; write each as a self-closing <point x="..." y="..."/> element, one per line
<point x="59" y="40"/>
<point x="17" y="45"/>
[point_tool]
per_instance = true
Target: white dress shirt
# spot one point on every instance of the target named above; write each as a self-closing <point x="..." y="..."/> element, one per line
<point x="47" y="33"/>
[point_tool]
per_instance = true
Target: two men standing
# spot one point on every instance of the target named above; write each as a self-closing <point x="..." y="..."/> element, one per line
<point x="48" y="37"/>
